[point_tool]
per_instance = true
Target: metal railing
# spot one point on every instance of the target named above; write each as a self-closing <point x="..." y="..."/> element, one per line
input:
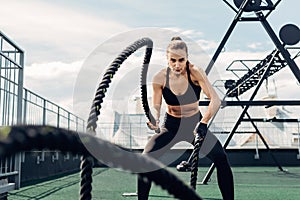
<point x="40" y="111"/>
<point x="22" y="106"/>
<point x="11" y="88"/>
<point x="131" y="132"/>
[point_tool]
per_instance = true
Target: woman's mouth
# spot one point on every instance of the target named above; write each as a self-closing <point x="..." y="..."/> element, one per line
<point x="177" y="71"/>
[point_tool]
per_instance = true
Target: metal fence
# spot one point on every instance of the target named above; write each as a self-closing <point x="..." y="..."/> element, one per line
<point x="130" y="131"/>
<point x="22" y="106"/>
<point x="11" y="81"/>
<point x="40" y="111"/>
<point x="11" y="88"/>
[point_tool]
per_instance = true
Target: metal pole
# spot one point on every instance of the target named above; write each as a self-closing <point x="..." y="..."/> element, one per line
<point x="25" y="106"/>
<point x="44" y="112"/>
<point x="298" y="155"/>
<point x="17" y="178"/>
<point x="58" y="116"/>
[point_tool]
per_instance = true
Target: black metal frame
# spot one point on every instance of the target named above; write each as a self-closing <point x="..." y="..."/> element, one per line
<point x="255" y="103"/>
<point x="260" y="17"/>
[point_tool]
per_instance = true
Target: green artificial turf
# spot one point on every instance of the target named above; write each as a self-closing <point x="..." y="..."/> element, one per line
<point x="265" y="183"/>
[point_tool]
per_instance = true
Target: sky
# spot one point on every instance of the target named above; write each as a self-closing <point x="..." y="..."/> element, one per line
<point x="62" y="39"/>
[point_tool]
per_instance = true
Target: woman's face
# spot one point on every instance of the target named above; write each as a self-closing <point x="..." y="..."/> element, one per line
<point x="177" y="59"/>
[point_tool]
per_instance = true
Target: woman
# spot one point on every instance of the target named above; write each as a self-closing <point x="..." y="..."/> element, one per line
<point x="180" y="85"/>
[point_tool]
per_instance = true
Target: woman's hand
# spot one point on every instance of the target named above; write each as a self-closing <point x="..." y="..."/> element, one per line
<point x="201" y="130"/>
<point x="154" y="127"/>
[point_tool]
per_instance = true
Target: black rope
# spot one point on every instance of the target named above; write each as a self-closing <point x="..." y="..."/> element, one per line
<point x="107" y="77"/>
<point x="195" y="160"/>
<point x="144" y="87"/>
<point x="86" y="171"/>
<point x="25" y="138"/>
<point x="86" y="165"/>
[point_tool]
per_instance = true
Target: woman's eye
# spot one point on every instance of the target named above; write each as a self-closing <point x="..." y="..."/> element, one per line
<point x="179" y="60"/>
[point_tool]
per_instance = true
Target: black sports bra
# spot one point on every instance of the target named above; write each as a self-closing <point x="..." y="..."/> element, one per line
<point x="191" y="95"/>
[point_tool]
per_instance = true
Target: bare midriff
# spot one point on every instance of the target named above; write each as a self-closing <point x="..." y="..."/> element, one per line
<point x="183" y="110"/>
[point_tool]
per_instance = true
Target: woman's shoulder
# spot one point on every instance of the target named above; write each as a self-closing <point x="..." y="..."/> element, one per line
<point x="197" y="73"/>
<point x="160" y="76"/>
<point x="161" y="73"/>
<point x="195" y="69"/>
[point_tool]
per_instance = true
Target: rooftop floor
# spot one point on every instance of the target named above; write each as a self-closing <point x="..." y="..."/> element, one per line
<point x="266" y="183"/>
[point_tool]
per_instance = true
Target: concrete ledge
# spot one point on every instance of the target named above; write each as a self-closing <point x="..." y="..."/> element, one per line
<point x="7" y="187"/>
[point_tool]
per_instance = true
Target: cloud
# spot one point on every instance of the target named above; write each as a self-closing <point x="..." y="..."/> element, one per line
<point x="207" y="45"/>
<point x="49" y="32"/>
<point x="58" y="80"/>
<point x="255" y="45"/>
<point x="53" y="81"/>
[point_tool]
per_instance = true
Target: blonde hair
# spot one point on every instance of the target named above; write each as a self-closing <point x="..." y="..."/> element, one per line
<point x="177" y="43"/>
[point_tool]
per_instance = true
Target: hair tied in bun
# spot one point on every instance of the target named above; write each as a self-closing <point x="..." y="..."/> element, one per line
<point x="176" y="38"/>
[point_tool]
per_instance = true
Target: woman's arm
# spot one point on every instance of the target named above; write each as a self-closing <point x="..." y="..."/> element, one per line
<point x="209" y="91"/>
<point x="157" y="86"/>
<point x="156" y="100"/>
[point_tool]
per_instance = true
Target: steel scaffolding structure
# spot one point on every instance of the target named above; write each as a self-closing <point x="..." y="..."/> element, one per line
<point x="274" y="62"/>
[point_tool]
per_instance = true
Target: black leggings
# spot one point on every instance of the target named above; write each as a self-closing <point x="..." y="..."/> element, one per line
<point x="175" y="130"/>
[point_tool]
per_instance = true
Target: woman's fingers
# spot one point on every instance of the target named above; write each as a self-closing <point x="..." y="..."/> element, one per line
<point x="151" y="126"/>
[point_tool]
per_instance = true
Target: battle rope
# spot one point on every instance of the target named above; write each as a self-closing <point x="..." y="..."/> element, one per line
<point x="107" y="77"/>
<point x="86" y="172"/>
<point x="25" y="138"/>
<point x="195" y="160"/>
<point x="86" y="163"/>
<point x="144" y="87"/>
